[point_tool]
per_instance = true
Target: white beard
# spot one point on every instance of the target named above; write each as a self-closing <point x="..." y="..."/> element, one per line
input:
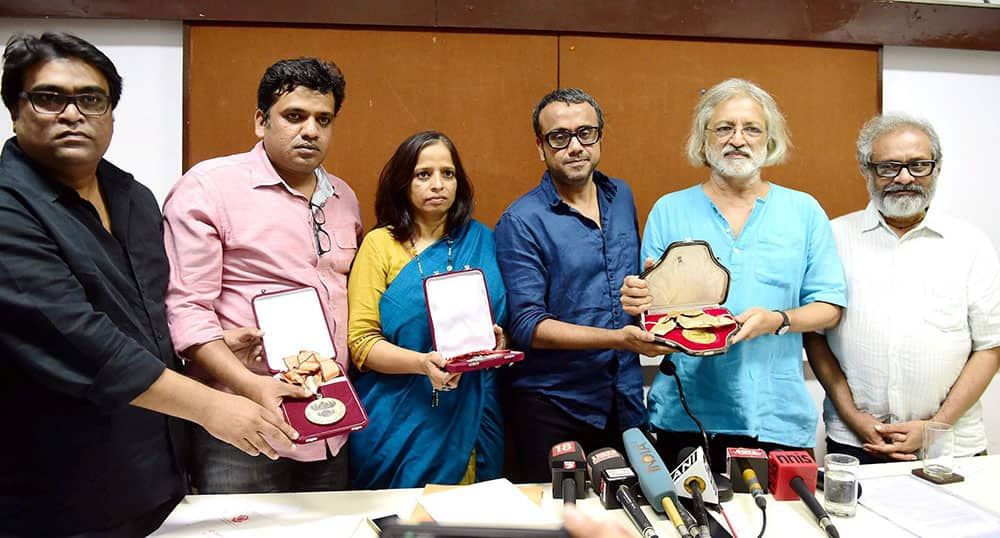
<point x="733" y="168"/>
<point x="902" y="206"/>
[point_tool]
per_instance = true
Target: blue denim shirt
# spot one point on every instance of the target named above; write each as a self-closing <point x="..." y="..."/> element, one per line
<point x="557" y="263"/>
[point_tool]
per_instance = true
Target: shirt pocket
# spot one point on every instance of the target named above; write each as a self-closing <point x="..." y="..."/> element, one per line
<point x="945" y="306"/>
<point x="778" y="262"/>
<point x="345" y="246"/>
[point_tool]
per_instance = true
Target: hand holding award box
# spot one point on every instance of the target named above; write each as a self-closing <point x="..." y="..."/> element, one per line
<point x="461" y="320"/>
<point x="298" y="349"/>
<point x="688" y="286"/>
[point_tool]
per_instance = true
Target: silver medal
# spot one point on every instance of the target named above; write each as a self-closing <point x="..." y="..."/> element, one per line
<point x="324" y="411"/>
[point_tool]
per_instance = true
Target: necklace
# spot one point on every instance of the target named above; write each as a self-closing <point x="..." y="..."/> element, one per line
<point x="416" y="256"/>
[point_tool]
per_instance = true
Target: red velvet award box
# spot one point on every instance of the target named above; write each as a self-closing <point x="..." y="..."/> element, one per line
<point x="461" y="320"/>
<point x="294" y="326"/>
<point x="688" y="286"/>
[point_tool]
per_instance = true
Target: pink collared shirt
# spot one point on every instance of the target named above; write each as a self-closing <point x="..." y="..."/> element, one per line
<point x="232" y="230"/>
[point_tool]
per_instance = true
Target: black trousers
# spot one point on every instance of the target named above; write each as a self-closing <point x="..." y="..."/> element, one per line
<point x="535" y="424"/>
<point x="669" y="444"/>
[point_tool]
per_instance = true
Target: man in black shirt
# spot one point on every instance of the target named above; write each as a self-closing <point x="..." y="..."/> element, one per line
<point x="88" y="367"/>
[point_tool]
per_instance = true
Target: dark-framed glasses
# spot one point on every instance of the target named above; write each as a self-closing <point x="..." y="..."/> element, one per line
<point x="891" y="169"/>
<point x="89" y="104"/>
<point x="560" y="138"/>
<point x="323" y="242"/>
<point x="725" y="132"/>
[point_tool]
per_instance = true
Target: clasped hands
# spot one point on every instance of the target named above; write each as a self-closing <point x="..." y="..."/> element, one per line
<point x="898" y="441"/>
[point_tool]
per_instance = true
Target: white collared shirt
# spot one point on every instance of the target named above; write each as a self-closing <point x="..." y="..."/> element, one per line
<point x="918" y="305"/>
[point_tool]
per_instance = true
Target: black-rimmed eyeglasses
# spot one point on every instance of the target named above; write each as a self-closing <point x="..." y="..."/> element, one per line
<point x="323" y="242"/>
<point x="561" y="138"/>
<point x="89" y="104"/>
<point x="891" y="169"/>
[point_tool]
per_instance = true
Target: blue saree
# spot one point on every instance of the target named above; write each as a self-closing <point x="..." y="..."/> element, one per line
<point x="407" y="442"/>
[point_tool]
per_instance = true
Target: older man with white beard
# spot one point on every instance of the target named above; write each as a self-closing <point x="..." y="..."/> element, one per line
<point x="785" y="279"/>
<point x="920" y="339"/>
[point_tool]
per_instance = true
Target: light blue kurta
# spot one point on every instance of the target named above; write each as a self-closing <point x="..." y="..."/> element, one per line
<point x="784" y="257"/>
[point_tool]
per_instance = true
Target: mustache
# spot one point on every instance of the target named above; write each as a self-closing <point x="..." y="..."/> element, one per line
<point x="733" y="149"/>
<point x="894" y="188"/>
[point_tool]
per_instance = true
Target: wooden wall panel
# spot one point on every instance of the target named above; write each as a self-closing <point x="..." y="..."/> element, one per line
<point x="480" y="89"/>
<point x="648" y="89"/>
<point x="858" y="22"/>
<point x="477" y="88"/>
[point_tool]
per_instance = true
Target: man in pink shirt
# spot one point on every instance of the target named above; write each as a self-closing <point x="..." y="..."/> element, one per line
<point x="267" y="220"/>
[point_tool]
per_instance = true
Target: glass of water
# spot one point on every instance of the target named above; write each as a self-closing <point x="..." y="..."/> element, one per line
<point x="840" y="485"/>
<point x="939" y="448"/>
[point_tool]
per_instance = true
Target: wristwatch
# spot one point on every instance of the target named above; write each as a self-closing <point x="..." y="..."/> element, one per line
<point x="783" y="328"/>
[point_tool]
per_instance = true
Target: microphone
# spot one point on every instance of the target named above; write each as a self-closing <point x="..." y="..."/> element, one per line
<point x="746" y="463"/>
<point x="614" y="481"/>
<point x="688" y="519"/>
<point x="689" y="477"/>
<point x="792" y="474"/>
<point x="750" y="477"/>
<point x="568" y="471"/>
<point x="654" y="480"/>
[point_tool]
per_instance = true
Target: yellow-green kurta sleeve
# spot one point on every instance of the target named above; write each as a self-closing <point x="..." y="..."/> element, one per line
<point x="377" y="263"/>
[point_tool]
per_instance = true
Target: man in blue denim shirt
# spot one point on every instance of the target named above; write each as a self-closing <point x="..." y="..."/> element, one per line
<point x="563" y="250"/>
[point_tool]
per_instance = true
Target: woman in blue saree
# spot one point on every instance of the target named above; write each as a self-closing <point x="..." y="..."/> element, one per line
<point x="425" y="424"/>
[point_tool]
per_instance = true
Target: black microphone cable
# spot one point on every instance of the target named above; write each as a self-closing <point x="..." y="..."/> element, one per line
<point x="667" y="367"/>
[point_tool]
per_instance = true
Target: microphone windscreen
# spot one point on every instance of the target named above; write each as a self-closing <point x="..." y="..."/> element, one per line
<point x="566" y="451"/>
<point x="654" y="478"/>
<point x="566" y="460"/>
<point x="608" y="473"/>
<point x="783" y="466"/>
<point x="599" y="460"/>
<point x="738" y="458"/>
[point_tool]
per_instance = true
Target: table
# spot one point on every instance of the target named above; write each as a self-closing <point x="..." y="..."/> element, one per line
<point x="344" y="513"/>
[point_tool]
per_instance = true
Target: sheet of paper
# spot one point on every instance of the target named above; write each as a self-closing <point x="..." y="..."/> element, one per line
<point x="927" y="510"/>
<point x="495" y="502"/>
<point x="218" y="516"/>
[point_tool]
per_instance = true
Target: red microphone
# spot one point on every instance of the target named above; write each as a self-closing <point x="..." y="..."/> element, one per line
<point x="792" y="475"/>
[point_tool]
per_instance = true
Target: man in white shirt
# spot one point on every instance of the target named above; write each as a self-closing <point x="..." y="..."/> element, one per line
<point x="920" y="339"/>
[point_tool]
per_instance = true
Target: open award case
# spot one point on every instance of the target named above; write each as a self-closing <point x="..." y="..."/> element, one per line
<point x="299" y="349"/>
<point x="688" y="286"/>
<point x="461" y="320"/>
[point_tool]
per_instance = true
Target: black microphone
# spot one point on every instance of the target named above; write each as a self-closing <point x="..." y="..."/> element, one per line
<point x="569" y="470"/>
<point x="691" y="474"/>
<point x="795" y="472"/>
<point x="614" y="481"/>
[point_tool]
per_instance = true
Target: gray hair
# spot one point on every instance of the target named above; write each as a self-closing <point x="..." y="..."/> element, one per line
<point x="886" y="123"/>
<point x="778" y="140"/>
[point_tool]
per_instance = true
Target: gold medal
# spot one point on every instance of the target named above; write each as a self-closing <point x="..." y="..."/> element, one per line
<point x="699" y="322"/>
<point x="699" y="336"/>
<point x="663" y="326"/>
<point x="324" y="411"/>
